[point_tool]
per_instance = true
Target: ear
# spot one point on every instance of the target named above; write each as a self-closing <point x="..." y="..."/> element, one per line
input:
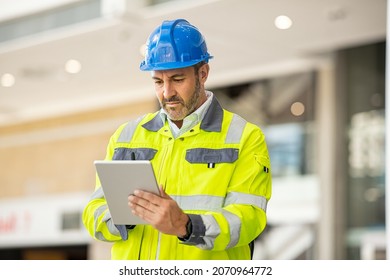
<point x="204" y="72"/>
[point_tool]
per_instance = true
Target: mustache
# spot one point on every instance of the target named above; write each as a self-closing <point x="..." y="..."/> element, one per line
<point x="172" y="99"/>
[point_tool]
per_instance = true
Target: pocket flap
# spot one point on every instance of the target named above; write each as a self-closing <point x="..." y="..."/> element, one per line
<point x="134" y="154"/>
<point x="203" y="155"/>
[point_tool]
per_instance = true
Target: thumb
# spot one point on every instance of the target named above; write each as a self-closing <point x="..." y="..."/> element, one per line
<point x="163" y="193"/>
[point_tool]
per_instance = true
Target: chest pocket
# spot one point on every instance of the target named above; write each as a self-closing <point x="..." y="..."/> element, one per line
<point x="203" y="155"/>
<point x="134" y="154"/>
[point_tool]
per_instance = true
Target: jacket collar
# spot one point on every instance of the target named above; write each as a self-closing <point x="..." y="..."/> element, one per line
<point x="211" y="122"/>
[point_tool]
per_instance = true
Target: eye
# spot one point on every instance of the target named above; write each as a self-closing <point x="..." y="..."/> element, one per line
<point x="178" y="80"/>
<point x="158" y="82"/>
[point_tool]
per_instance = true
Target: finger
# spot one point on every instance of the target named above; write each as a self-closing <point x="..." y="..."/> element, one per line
<point x="142" y="208"/>
<point x="135" y="201"/>
<point x="141" y="212"/>
<point x="153" y="198"/>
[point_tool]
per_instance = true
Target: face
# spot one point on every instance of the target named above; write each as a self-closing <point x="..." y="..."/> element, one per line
<point x="180" y="91"/>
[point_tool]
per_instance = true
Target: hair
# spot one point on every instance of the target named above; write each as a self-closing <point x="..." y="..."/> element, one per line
<point x="198" y="65"/>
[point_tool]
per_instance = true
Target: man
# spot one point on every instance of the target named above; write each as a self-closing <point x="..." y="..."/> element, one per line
<point x="212" y="166"/>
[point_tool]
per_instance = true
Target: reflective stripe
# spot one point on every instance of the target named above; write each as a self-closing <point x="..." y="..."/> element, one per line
<point x="97" y="194"/>
<point x="215" y="203"/>
<point x="199" y="202"/>
<point x="106" y="219"/>
<point x="244" y="198"/>
<point x="111" y="227"/>
<point x="96" y="216"/>
<point x="234" y="227"/>
<point x="212" y="203"/>
<point x="236" y="128"/>
<point x="128" y="131"/>
<point x="99" y="236"/>
<point x="212" y="231"/>
<point x="107" y="214"/>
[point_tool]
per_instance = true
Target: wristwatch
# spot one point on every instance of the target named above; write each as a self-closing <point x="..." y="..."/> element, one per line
<point x="188" y="231"/>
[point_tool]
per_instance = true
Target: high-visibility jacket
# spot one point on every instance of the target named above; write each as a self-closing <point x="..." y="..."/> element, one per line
<point x="219" y="174"/>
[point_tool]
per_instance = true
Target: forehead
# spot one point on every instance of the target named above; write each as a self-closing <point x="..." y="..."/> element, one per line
<point x="172" y="72"/>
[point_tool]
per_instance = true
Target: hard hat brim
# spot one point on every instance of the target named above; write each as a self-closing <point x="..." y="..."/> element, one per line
<point x="170" y="65"/>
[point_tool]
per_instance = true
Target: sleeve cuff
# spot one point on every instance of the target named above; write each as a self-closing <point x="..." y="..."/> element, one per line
<point x="123" y="230"/>
<point x="198" y="231"/>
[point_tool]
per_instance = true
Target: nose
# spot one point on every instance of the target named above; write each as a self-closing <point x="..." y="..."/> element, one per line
<point x="168" y="90"/>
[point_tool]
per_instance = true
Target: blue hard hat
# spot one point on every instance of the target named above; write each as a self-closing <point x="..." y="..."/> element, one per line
<point x="174" y="44"/>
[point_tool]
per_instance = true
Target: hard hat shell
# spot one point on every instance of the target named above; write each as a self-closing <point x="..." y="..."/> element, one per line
<point x="174" y="44"/>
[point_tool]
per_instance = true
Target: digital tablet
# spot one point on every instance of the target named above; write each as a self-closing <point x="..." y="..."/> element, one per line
<point x="119" y="179"/>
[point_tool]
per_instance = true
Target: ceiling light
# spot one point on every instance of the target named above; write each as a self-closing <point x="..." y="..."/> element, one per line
<point x="297" y="109"/>
<point x="73" y="66"/>
<point x="7" y="80"/>
<point x="283" y="22"/>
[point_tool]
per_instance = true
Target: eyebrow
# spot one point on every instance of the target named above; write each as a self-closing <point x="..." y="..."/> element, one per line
<point x="174" y="76"/>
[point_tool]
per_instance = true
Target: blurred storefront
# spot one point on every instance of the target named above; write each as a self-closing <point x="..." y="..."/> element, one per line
<point x="364" y="141"/>
<point x="43" y="227"/>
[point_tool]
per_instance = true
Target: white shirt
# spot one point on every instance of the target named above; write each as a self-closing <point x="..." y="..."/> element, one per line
<point x="191" y="120"/>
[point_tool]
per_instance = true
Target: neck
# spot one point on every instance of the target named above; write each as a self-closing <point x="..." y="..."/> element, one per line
<point x="202" y="99"/>
<point x="178" y="123"/>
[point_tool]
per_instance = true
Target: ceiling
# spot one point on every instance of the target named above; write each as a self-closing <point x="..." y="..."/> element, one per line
<point x="240" y="35"/>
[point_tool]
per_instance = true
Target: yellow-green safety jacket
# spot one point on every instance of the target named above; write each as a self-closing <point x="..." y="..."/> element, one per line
<point x="218" y="172"/>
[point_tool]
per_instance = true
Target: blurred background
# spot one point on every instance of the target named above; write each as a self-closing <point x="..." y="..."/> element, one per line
<point x="310" y="73"/>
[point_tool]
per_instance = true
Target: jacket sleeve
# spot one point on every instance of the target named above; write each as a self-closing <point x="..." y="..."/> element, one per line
<point x="243" y="216"/>
<point x="96" y="217"/>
